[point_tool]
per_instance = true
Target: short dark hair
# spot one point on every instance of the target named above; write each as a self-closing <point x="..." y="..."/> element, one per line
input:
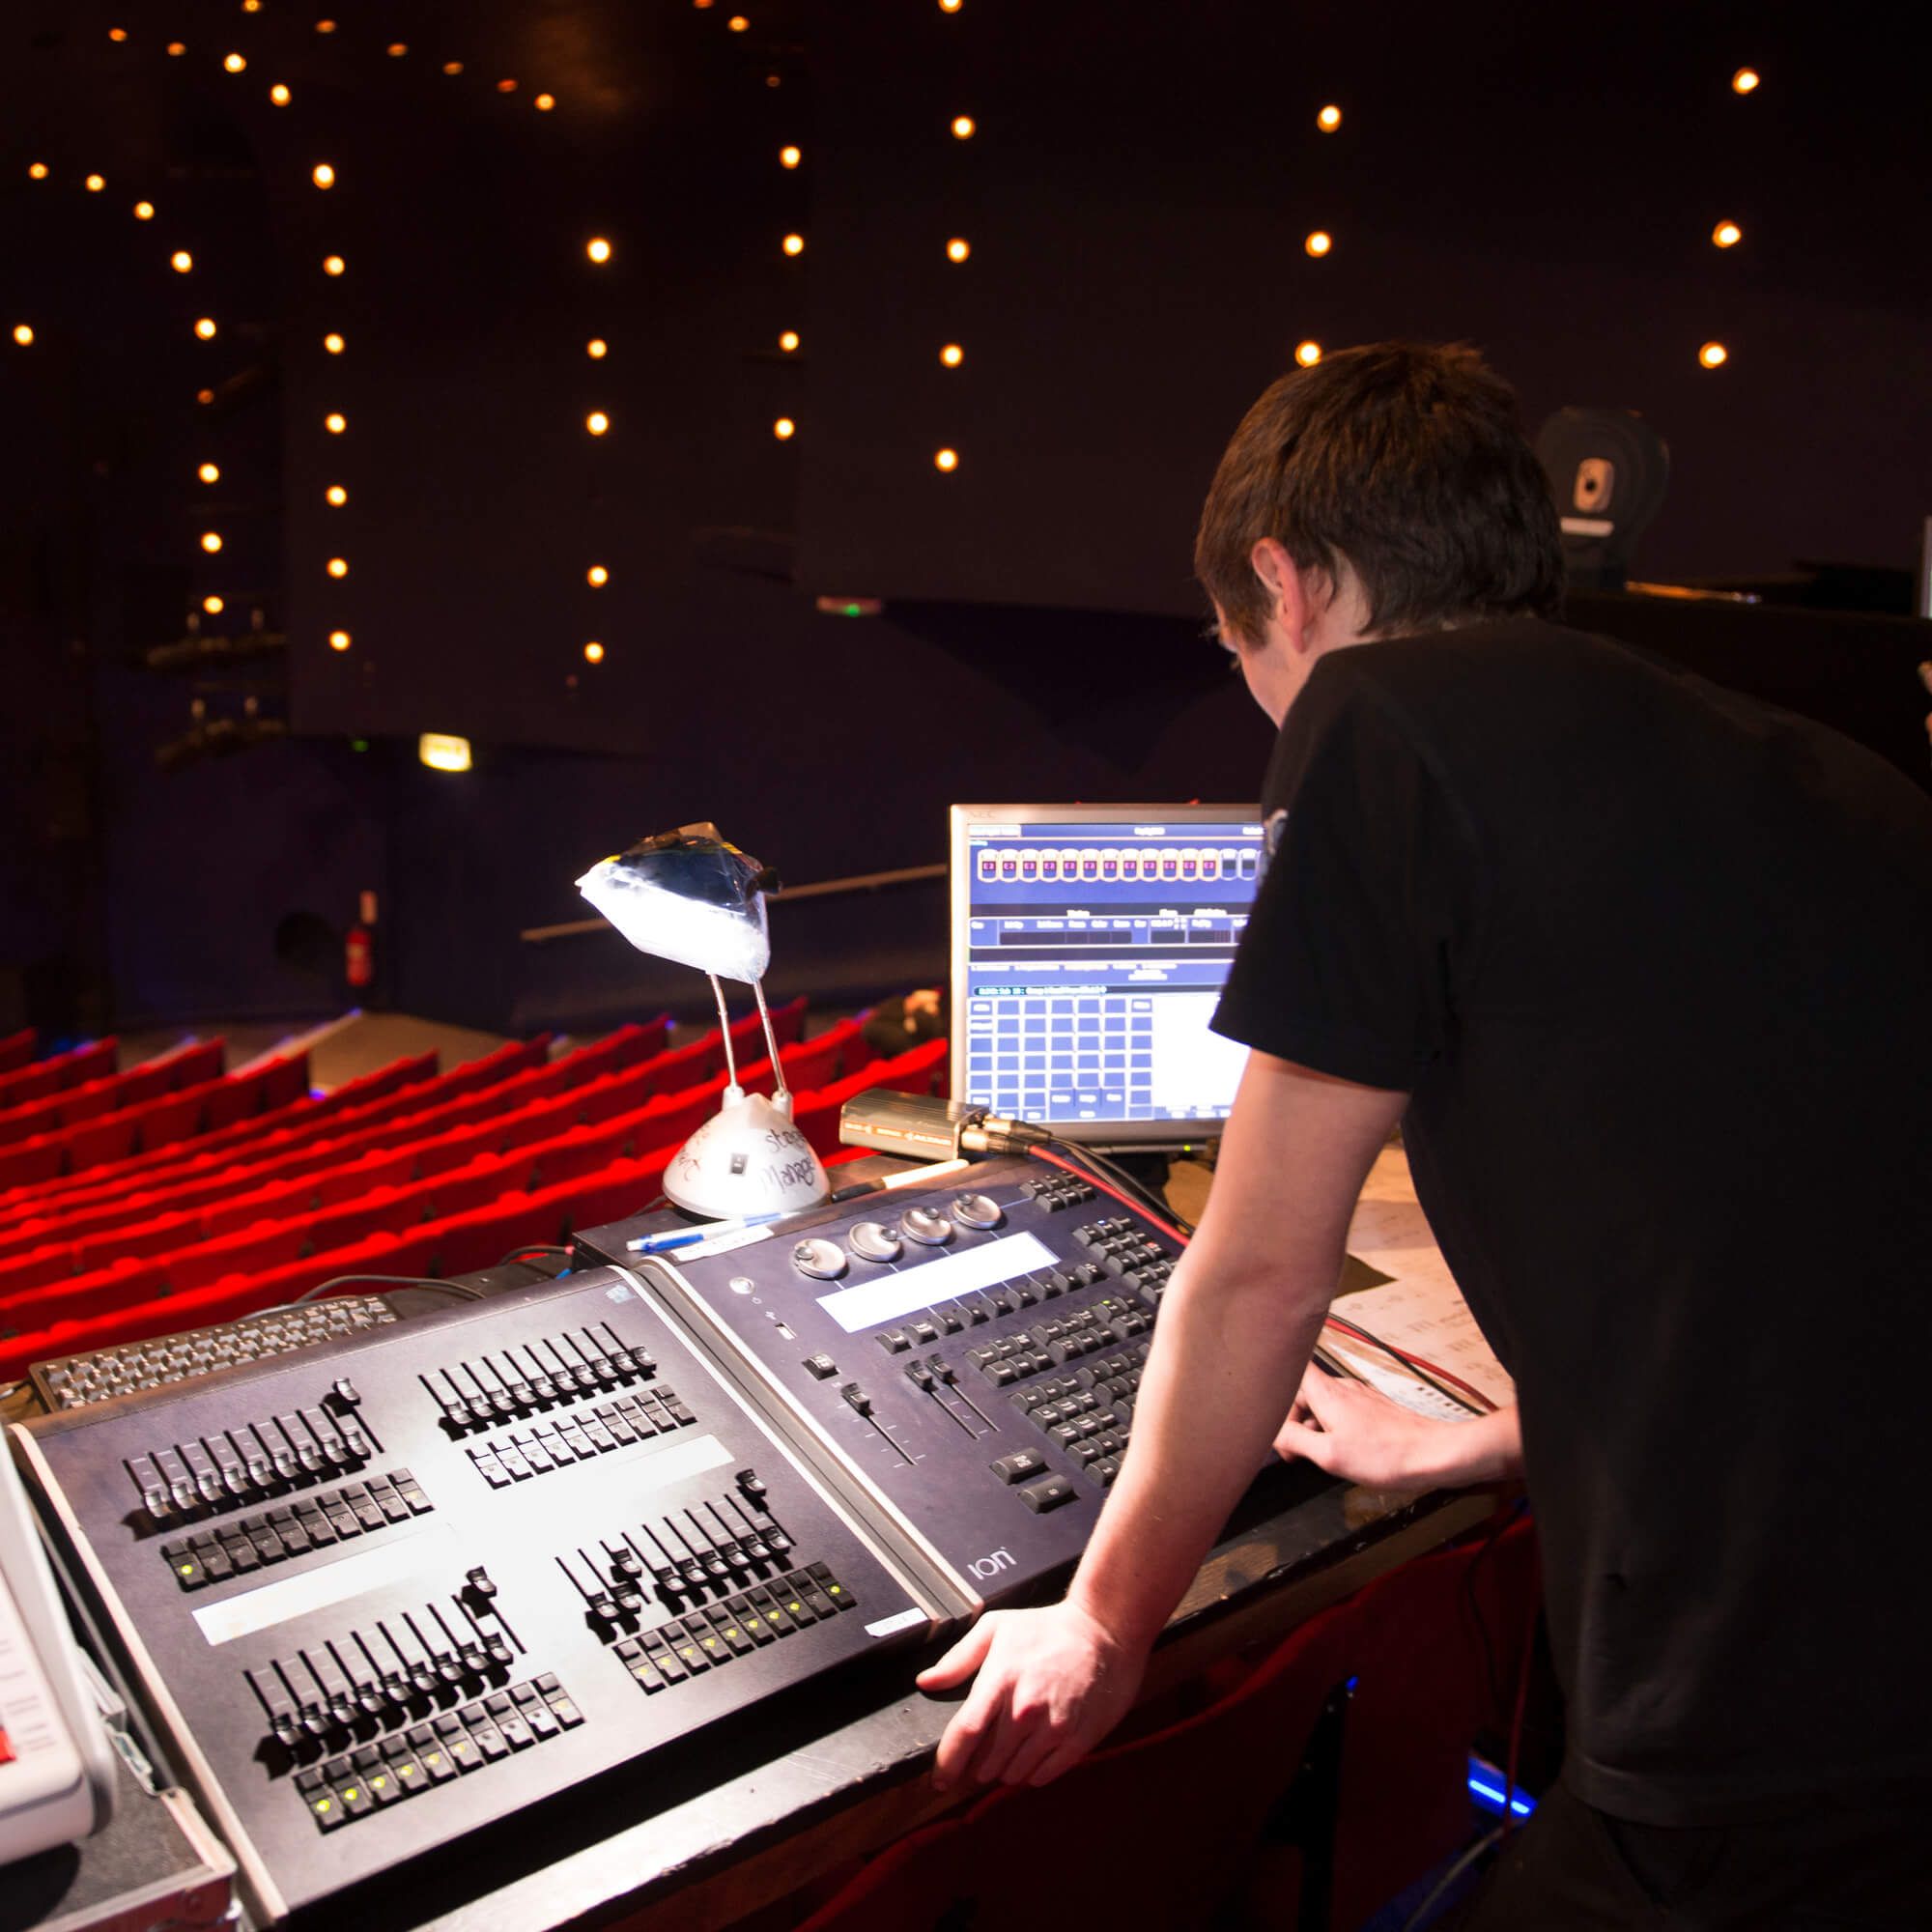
<point x="1403" y="458"/>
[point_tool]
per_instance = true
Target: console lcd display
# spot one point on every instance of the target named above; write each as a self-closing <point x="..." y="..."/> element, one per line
<point x="945" y="1279"/>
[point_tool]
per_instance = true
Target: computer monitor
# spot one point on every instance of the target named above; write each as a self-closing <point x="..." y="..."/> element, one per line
<point x="1089" y="945"/>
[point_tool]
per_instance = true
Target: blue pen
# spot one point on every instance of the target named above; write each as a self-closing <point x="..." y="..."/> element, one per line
<point x="653" y="1244"/>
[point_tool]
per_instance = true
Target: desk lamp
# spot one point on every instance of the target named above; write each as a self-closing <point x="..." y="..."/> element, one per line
<point x="688" y="897"/>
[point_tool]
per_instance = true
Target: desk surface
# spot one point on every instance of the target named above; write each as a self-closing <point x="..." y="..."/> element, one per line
<point x="749" y="1813"/>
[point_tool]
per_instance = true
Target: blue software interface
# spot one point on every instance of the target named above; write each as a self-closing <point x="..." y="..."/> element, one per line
<point x="1094" y="955"/>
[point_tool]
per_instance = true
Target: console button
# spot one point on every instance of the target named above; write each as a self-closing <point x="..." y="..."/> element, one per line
<point x="1049" y="1493"/>
<point x="927" y="1226"/>
<point x="874" y="1242"/>
<point x="976" y="1210"/>
<point x="821" y="1366"/>
<point x="1019" y="1465"/>
<point x="821" y="1260"/>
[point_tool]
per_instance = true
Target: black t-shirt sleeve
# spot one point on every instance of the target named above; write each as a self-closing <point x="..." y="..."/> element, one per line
<point x="1366" y="913"/>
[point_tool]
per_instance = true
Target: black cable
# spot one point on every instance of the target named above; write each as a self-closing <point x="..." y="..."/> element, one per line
<point x="455" y="1287"/>
<point x="1092" y="1177"/>
<point x="534" y="1248"/>
<point x="1121" y="1177"/>
<point x="1133" y="1183"/>
<point x="1465" y="1395"/>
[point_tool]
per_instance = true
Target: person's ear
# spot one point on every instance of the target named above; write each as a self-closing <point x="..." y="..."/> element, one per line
<point x="1290" y="591"/>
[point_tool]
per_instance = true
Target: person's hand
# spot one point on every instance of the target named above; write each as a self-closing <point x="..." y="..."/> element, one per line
<point x="1052" y="1684"/>
<point x="1350" y="1430"/>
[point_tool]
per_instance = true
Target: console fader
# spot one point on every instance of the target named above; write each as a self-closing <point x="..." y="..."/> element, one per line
<point x="961" y="1355"/>
<point x="394" y="1589"/>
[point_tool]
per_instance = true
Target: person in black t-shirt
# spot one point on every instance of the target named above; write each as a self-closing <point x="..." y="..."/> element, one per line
<point x="1639" y="965"/>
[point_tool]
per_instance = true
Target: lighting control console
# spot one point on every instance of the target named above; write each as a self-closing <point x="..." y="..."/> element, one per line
<point x="497" y="1552"/>
<point x="961" y="1358"/>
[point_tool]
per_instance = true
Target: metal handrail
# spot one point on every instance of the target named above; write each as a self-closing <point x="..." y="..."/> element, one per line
<point x="859" y="882"/>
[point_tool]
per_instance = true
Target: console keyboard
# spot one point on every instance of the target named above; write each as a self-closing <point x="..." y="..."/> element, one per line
<point x="72" y="1381"/>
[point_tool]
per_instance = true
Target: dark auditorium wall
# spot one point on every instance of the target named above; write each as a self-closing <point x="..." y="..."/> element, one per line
<point x="1135" y="192"/>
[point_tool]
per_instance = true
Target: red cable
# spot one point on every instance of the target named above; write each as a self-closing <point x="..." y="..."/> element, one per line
<point x="1094" y="1180"/>
<point x="1475" y="1395"/>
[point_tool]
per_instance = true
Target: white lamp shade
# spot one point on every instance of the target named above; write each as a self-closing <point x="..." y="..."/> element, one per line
<point x="747" y="1159"/>
<point x="685" y="904"/>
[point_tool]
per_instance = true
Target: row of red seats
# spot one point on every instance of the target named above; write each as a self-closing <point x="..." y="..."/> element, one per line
<point x="183" y="1099"/>
<point x="29" y="1079"/>
<point x="331" y="1143"/>
<point x="260" y="1268"/>
<point x="458" y="1244"/>
<point x="347" y="1189"/>
<point x="404" y="1085"/>
<point x="17" y="1051"/>
<point x="47" y="1197"/>
<point x="630" y="1065"/>
<point x="107" y="1091"/>
<point x="526" y="1062"/>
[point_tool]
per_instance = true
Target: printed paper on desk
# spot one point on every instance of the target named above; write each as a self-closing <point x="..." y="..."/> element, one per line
<point x="1426" y="1319"/>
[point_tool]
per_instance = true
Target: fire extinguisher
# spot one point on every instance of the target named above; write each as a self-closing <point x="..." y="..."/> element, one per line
<point x="360" y="950"/>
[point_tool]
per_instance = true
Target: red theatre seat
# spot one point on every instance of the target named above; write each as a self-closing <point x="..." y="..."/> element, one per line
<point x="245" y="1251"/>
<point x="40" y="1116"/>
<point x="474" y="1185"/>
<point x="272" y="1201"/>
<point x="385" y="1210"/>
<point x="673" y="1118"/>
<point x="79" y="1296"/>
<point x="55" y="1076"/>
<point x="814" y="1064"/>
<point x="283" y="1125"/>
<point x="18" y="1049"/>
<point x="582" y="1152"/>
<point x="1218" y="1774"/>
<point x="380" y="1167"/>
<point x="83" y="1103"/>
<point x="513" y="1057"/>
<point x="32" y="1164"/>
<point x="50" y="1261"/>
<point x="175" y="1117"/>
<point x="284" y="1081"/>
<point x="23" y="1238"/>
<point x="613" y="1094"/>
<point x="1424" y="1690"/>
<point x="631" y="1045"/>
<point x="682" y="1066"/>
<point x="109" y="1138"/>
<point x="157" y="1235"/>
<point x="480" y="1238"/>
<point x="457" y="1147"/>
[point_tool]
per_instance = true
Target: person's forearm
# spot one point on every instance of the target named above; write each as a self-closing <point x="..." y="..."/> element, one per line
<point x="1238" y="1325"/>
<point x="1226" y="1357"/>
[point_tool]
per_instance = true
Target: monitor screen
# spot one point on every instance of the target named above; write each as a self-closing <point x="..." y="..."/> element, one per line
<point x="1089" y="945"/>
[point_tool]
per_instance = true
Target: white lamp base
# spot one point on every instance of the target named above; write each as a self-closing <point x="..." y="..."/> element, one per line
<point x="746" y="1159"/>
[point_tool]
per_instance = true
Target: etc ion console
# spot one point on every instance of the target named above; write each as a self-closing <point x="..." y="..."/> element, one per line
<point x="398" y="1588"/>
<point x="959" y="1361"/>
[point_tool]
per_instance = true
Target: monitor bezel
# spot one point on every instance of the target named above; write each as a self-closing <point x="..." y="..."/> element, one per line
<point x="1149" y="1135"/>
